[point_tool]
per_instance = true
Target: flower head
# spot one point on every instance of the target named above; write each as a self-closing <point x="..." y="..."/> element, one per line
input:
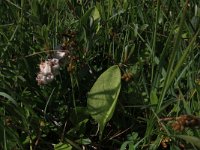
<point x="45" y="67"/>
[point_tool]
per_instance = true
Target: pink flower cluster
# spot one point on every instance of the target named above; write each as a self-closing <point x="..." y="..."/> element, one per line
<point x="50" y="68"/>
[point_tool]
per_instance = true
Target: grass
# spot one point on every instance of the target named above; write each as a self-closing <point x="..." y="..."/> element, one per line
<point x="155" y="44"/>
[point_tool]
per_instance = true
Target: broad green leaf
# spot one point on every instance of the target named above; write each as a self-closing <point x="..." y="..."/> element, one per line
<point x="62" y="146"/>
<point x="102" y="98"/>
<point x="92" y="12"/>
<point x="191" y="139"/>
<point x="95" y="14"/>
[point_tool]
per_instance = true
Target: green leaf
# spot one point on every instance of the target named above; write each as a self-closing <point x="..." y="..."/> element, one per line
<point x="8" y="97"/>
<point x="95" y="14"/>
<point x="191" y="139"/>
<point x="79" y="115"/>
<point x="103" y="96"/>
<point x="79" y="129"/>
<point x="84" y="141"/>
<point x="62" y="146"/>
<point x="153" y="97"/>
<point x="92" y="12"/>
<point x="125" y="144"/>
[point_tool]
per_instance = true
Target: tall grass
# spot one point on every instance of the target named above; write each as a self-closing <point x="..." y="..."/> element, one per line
<point x="154" y="43"/>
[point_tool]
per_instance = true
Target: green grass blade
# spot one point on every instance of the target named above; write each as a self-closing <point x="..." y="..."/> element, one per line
<point x="8" y="97"/>
<point x="168" y="80"/>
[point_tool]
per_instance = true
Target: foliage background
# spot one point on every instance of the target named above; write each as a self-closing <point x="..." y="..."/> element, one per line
<point x="154" y="43"/>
